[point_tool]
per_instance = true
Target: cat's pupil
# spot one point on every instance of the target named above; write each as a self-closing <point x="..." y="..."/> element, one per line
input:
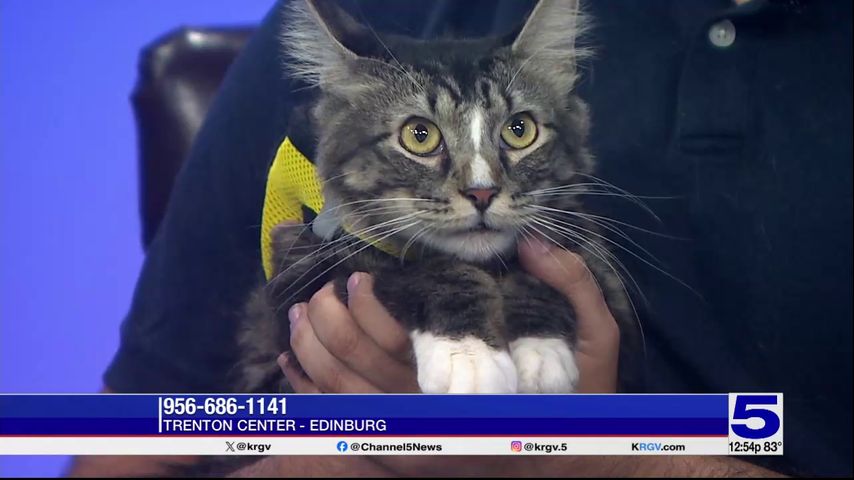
<point x="420" y="132"/>
<point x="518" y="128"/>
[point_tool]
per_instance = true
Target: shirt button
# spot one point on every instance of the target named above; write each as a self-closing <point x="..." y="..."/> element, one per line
<point x="722" y="34"/>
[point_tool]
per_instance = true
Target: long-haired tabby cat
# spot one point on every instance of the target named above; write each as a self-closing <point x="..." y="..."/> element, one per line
<point x="447" y="153"/>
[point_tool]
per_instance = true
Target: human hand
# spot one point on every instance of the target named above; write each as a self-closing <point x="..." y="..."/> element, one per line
<point x="357" y="348"/>
<point x="598" y="336"/>
<point x="596" y="354"/>
<point x="360" y="348"/>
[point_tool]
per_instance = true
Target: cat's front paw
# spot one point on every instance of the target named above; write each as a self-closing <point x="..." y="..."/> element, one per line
<point x="466" y="365"/>
<point x="544" y="365"/>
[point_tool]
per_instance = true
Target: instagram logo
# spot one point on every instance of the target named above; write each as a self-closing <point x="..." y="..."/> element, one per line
<point x="516" y="446"/>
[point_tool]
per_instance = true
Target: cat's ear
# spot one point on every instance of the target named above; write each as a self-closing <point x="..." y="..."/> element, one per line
<point x="321" y="41"/>
<point x="549" y="37"/>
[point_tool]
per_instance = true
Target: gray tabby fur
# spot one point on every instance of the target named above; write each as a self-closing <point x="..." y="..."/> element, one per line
<point x="462" y="278"/>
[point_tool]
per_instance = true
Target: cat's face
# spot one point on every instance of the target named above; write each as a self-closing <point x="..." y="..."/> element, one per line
<point x="447" y="143"/>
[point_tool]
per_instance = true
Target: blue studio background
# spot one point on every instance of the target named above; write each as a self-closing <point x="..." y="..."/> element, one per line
<point x="70" y="246"/>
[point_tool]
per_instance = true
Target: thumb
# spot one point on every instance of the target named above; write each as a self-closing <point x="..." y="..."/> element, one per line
<point x="598" y="347"/>
<point x="567" y="273"/>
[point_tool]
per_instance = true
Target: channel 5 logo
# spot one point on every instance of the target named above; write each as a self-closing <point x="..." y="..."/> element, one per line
<point x="516" y="446"/>
<point x="756" y="416"/>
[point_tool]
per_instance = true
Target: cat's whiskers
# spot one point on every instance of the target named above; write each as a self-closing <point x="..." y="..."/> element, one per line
<point x="342" y="260"/>
<point x="357" y="202"/>
<point x="595" y="253"/>
<point x="412" y="240"/>
<point x="491" y="248"/>
<point x="579" y="53"/>
<point x="584" y="189"/>
<point x="359" y="211"/>
<point x="594" y="248"/>
<point x="649" y="262"/>
<point x="351" y="237"/>
<point x="610" y="221"/>
<point x="568" y="190"/>
<point x="634" y="199"/>
<point x="348" y="239"/>
<point x="361" y="232"/>
<point x="335" y="177"/>
<point x="607" y="189"/>
<point x="604" y="222"/>
<point x="629" y="195"/>
<point x="547" y="237"/>
<point x="348" y="242"/>
<point x="526" y="62"/>
<point x="556" y="217"/>
<point x="616" y="272"/>
<point x="399" y="66"/>
<point x="573" y="185"/>
<point x="383" y="199"/>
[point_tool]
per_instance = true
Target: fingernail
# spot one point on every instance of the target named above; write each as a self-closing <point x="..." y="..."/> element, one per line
<point x="295" y="313"/>
<point x="353" y="282"/>
<point x="283" y="360"/>
<point x="538" y="246"/>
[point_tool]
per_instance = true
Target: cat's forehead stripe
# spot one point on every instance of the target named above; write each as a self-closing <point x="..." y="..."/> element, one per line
<point x="476" y="129"/>
<point x="481" y="173"/>
<point x="450" y="88"/>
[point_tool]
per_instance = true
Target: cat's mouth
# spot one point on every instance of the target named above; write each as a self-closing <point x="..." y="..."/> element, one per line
<point x="474" y="238"/>
<point x="478" y="242"/>
<point x="479" y="231"/>
<point x="479" y="228"/>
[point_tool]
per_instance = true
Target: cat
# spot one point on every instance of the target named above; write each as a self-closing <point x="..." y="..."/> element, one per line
<point x="447" y="153"/>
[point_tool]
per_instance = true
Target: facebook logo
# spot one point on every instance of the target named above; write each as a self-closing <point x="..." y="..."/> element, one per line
<point x="342" y="446"/>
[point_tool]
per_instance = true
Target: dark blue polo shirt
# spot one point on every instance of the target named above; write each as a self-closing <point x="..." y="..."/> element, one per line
<point x="739" y="115"/>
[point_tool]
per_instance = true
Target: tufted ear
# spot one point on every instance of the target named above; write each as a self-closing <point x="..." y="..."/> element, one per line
<point x="549" y="37"/>
<point x="321" y="41"/>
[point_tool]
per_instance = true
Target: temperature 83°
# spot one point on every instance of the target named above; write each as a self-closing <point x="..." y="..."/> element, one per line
<point x="754" y="447"/>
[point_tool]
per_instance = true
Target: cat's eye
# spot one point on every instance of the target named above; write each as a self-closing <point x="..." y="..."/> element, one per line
<point x="420" y="136"/>
<point x="520" y="131"/>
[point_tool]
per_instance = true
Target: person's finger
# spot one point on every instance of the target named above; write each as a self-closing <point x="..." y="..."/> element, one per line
<point x="374" y="319"/>
<point x="324" y="370"/>
<point x="598" y="346"/>
<point x="339" y="333"/>
<point x="567" y="273"/>
<point x="296" y="378"/>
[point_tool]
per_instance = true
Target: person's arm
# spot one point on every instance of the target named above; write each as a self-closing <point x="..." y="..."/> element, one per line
<point x="179" y="335"/>
<point x="320" y="466"/>
<point x="163" y="465"/>
<point x="655" y="467"/>
<point x="124" y="465"/>
<point x="360" y="348"/>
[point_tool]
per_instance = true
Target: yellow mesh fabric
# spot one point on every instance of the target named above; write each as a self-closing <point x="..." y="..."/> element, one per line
<point x="291" y="183"/>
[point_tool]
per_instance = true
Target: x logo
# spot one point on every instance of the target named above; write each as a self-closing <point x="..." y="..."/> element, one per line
<point x="229" y="446"/>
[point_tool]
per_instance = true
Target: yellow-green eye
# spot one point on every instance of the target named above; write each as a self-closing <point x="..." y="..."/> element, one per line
<point x="420" y="136"/>
<point x="520" y="131"/>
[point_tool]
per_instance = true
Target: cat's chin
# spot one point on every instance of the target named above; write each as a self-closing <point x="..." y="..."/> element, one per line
<point x="474" y="245"/>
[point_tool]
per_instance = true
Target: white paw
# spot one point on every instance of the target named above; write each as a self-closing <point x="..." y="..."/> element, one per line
<point x="545" y="365"/>
<point x="467" y="365"/>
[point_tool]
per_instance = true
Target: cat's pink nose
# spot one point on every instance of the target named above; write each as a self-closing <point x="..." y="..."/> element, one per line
<point x="481" y="198"/>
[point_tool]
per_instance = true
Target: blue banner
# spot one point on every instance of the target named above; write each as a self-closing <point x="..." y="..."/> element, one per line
<point x="380" y="415"/>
